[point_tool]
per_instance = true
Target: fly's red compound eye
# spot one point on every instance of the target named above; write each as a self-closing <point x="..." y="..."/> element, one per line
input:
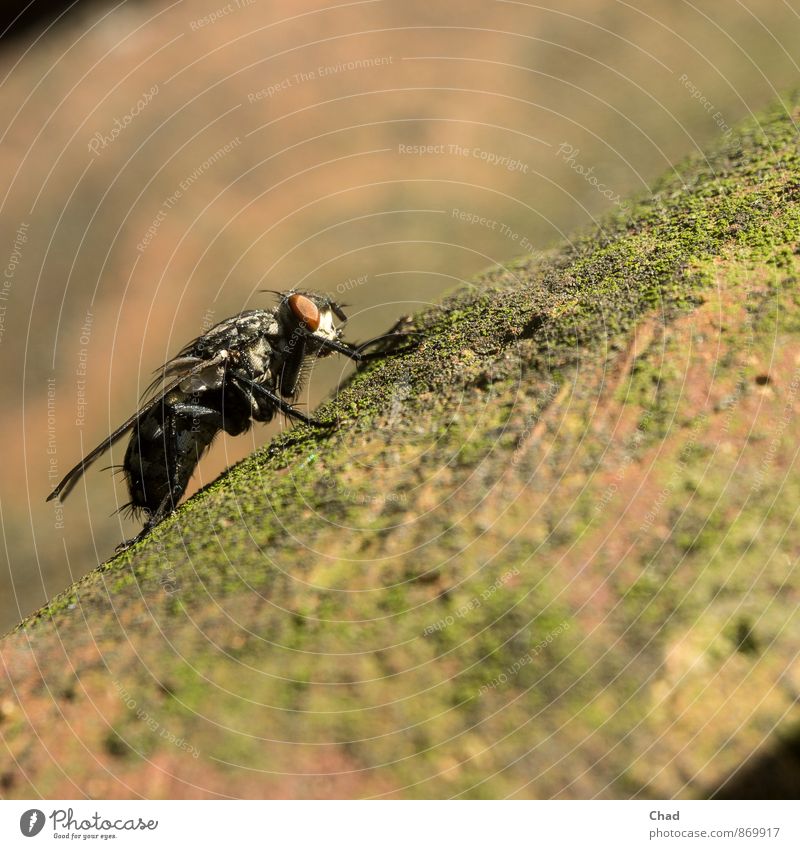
<point x="306" y="310"/>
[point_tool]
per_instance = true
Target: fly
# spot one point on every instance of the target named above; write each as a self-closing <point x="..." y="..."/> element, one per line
<point x="245" y="369"/>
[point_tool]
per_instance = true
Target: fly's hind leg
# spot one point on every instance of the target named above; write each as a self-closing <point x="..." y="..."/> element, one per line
<point x="161" y="512"/>
<point x="169" y="503"/>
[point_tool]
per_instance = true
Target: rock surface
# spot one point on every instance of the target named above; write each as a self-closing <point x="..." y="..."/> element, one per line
<point x="552" y="553"/>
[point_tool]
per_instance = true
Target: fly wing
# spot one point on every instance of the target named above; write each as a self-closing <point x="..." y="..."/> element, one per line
<point x="232" y="334"/>
<point x="195" y="366"/>
<point x="179" y="366"/>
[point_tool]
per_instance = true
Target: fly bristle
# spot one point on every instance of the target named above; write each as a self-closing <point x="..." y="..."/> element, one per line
<point x="130" y="511"/>
<point x="116" y="468"/>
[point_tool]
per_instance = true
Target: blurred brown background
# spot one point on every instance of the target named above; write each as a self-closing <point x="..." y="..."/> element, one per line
<point x="162" y="162"/>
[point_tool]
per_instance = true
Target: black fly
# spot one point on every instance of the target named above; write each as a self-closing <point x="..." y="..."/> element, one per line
<point x="244" y="369"/>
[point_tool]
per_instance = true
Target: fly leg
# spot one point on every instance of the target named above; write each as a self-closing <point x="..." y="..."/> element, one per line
<point x="198" y="411"/>
<point x="284" y="406"/>
<point x="169" y="504"/>
<point x="387" y="343"/>
<point x="162" y="511"/>
<point x="233" y="425"/>
<point x="172" y="464"/>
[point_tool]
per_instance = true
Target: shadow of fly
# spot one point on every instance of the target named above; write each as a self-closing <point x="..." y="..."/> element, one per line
<point x="245" y="369"/>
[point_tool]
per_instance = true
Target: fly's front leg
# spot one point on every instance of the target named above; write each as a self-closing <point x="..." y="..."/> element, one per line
<point x="387" y="342"/>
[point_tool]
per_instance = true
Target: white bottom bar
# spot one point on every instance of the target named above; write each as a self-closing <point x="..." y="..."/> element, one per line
<point x="401" y="825"/>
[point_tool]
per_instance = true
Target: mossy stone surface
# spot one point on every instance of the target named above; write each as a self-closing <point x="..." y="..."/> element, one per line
<point x="551" y="553"/>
